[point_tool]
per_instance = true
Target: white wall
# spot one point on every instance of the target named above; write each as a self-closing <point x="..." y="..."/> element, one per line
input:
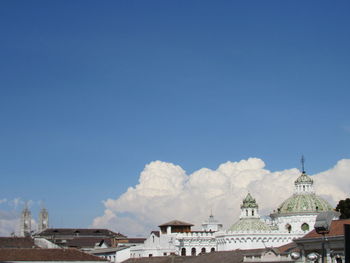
<point x="122" y="255"/>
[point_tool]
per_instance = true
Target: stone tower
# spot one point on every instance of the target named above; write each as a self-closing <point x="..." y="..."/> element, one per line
<point x="26" y="222"/>
<point x="43" y="220"/>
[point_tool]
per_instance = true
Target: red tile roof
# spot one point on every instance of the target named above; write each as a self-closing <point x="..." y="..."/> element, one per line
<point x="135" y="240"/>
<point x="17" y="242"/>
<point x="235" y="256"/>
<point x="40" y="254"/>
<point x="79" y="232"/>
<point x="336" y="229"/>
<point x="176" y="223"/>
<point x="287" y="248"/>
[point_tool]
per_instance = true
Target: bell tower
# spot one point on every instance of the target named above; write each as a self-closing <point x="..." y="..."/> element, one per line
<point x="43" y="219"/>
<point x="26" y="224"/>
<point x="249" y="208"/>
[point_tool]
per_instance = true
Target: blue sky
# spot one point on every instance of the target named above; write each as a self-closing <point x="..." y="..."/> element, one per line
<point x="92" y="91"/>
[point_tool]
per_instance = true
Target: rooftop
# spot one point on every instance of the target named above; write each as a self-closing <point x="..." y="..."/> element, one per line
<point x="17" y="242"/>
<point x="175" y="223"/>
<point x="79" y="232"/>
<point x="336" y="229"/>
<point x="39" y="254"/>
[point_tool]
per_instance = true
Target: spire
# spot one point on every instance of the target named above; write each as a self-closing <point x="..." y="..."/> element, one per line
<point x="43" y="219"/>
<point x="302" y="164"/>
<point x="26" y="218"/>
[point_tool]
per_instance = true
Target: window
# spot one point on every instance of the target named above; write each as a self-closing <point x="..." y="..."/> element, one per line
<point x="193" y="251"/>
<point x="212" y="249"/>
<point x="164" y="254"/>
<point x="203" y="250"/>
<point x="305" y="227"/>
<point x="150" y="255"/>
<point x="183" y="251"/>
<point x="246" y="212"/>
<point x="252" y="212"/>
<point x="288" y="227"/>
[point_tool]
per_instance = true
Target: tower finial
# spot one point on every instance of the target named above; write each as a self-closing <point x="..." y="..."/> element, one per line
<point x="303" y="163"/>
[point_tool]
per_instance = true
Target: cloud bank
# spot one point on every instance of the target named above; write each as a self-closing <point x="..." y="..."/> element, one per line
<point x="165" y="192"/>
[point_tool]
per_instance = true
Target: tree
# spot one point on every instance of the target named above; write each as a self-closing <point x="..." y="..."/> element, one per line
<point x="344" y="208"/>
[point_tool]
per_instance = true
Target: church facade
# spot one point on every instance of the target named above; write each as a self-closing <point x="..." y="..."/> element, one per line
<point x="294" y="218"/>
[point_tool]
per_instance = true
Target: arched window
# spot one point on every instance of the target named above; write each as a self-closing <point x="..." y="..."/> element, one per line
<point x="193" y="251"/>
<point x="303" y="187"/>
<point x="305" y="227"/>
<point x="183" y="251"/>
<point x="212" y="249"/>
<point x="252" y="212"/>
<point x="203" y="250"/>
<point x="288" y="227"/>
<point x="246" y="212"/>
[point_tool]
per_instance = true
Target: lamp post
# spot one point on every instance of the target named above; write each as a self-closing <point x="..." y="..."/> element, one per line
<point x="322" y="226"/>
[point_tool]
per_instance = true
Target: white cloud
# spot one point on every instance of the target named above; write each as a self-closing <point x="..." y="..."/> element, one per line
<point x="10" y="216"/>
<point x="165" y="192"/>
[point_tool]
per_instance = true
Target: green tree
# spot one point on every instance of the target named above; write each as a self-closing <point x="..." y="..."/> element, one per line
<point x="344" y="208"/>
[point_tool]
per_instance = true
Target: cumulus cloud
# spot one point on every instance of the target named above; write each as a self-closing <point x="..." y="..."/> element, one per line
<point x="165" y="192"/>
<point x="10" y="216"/>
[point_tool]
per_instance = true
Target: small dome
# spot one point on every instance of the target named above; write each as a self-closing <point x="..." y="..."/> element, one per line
<point x="304" y="203"/>
<point x="249" y="202"/>
<point x="249" y="225"/>
<point x="303" y="179"/>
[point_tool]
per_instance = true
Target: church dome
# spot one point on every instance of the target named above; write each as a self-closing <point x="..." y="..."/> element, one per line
<point x="304" y="199"/>
<point x="249" y="220"/>
<point x="249" y="225"/>
<point x="301" y="203"/>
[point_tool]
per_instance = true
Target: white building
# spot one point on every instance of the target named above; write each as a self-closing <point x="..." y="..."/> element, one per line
<point x="293" y="219"/>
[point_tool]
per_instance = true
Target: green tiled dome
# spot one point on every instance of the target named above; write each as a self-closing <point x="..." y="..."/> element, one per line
<point x="299" y="203"/>
<point x="249" y="225"/>
<point x="303" y="178"/>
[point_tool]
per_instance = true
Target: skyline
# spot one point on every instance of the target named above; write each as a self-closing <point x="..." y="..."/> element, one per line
<point x="92" y="93"/>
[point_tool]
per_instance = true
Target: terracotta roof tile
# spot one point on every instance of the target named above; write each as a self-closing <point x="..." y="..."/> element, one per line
<point x="336" y="229"/>
<point x="39" y="254"/>
<point x="235" y="256"/>
<point x="176" y="223"/>
<point x="79" y="232"/>
<point x="17" y="242"/>
<point x="287" y="248"/>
